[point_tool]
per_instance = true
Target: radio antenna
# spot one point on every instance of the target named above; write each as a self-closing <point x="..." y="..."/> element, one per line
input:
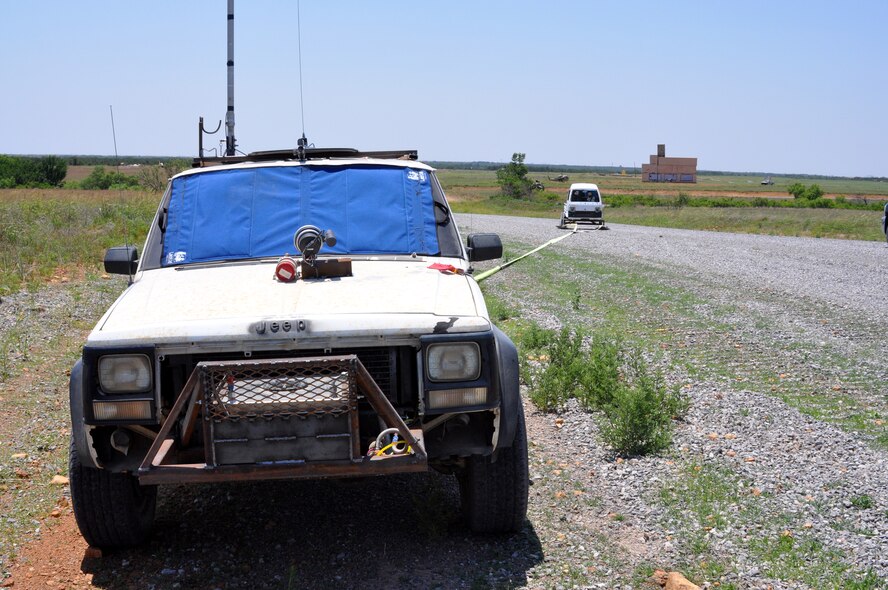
<point x="230" y="143"/>
<point x="120" y="192"/>
<point x="299" y="53"/>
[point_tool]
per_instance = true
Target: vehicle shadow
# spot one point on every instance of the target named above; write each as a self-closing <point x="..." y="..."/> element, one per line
<point x="398" y="531"/>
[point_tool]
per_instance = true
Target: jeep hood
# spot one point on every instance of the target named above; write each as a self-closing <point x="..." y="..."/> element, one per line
<point x="226" y="302"/>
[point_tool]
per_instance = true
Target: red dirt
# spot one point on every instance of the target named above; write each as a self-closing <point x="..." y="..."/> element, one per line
<point x="56" y="560"/>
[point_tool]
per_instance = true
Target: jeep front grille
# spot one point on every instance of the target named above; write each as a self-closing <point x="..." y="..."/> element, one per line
<point x="381" y="362"/>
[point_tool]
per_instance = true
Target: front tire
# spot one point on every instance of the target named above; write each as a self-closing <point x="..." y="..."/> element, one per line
<point x="112" y="510"/>
<point x="494" y="493"/>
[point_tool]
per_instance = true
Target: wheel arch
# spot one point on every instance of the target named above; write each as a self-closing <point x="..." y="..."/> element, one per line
<point x="79" y="430"/>
<point x="509" y="388"/>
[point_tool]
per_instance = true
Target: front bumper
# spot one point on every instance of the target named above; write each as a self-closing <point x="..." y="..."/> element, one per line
<point x="276" y="419"/>
<point x="595" y="217"/>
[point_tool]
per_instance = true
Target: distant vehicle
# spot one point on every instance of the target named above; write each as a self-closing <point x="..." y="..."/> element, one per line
<point x="583" y="205"/>
<point x="560" y="178"/>
<point x="767" y="180"/>
<point x="538" y="186"/>
<point x="885" y="222"/>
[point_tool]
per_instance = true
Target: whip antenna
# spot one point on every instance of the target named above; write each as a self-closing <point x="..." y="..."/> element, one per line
<point x="303" y="142"/>
<point x="120" y="193"/>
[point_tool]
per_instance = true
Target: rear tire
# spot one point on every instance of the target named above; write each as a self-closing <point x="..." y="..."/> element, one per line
<point x="494" y="494"/>
<point x="112" y="510"/>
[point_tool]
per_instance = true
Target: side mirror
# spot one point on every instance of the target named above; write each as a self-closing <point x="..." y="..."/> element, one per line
<point x="121" y="260"/>
<point x="484" y="247"/>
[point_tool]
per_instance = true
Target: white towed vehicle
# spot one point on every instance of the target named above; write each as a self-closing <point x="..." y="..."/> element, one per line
<point x="297" y="314"/>
<point x="583" y="205"/>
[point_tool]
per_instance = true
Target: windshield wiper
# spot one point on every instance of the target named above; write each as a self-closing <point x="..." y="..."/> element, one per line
<point x="191" y="265"/>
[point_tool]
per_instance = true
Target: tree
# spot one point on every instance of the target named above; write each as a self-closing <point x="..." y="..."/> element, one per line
<point x="512" y="178"/>
<point x="99" y="179"/>
<point x="800" y="191"/>
<point x="155" y="177"/>
<point x="814" y="192"/>
<point x="796" y="189"/>
<point x="53" y="170"/>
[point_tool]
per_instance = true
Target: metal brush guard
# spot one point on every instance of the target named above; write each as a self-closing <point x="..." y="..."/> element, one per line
<point x="278" y="418"/>
<point x="278" y="389"/>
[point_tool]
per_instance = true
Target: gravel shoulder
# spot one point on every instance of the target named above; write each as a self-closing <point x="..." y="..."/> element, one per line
<point x="780" y="344"/>
<point x="769" y="483"/>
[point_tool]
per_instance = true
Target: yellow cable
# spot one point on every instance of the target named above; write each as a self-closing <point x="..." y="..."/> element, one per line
<point x="390" y="445"/>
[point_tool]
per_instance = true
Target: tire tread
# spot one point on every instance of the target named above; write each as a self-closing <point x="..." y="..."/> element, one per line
<point x="110" y="509"/>
<point x="494" y="493"/>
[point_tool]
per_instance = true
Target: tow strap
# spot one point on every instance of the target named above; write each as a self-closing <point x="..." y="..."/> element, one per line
<point x="481" y="276"/>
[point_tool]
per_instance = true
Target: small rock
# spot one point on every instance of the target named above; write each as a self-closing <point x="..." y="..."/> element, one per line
<point x="55" y="513"/>
<point x="7" y="583"/>
<point x="59" y="480"/>
<point x="676" y="581"/>
<point x="92" y="553"/>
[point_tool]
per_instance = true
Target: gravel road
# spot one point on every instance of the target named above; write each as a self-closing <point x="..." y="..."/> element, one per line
<point x="790" y="319"/>
<point x="756" y="493"/>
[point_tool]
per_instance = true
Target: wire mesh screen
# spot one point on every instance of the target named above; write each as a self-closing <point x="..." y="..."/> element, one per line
<point x="269" y="389"/>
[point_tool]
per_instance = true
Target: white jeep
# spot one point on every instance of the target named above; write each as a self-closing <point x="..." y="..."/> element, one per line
<point x="583" y="205"/>
<point x="297" y="314"/>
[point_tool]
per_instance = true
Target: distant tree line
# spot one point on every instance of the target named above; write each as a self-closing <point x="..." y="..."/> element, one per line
<point x="149" y="177"/>
<point x="50" y="171"/>
<point x="114" y="161"/>
<point x="483" y="165"/>
<point x="530" y="167"/>
<point x="46" y="171"/>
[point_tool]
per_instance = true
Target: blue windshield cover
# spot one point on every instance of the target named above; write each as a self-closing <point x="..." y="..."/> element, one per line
<point x="255" y="212"/>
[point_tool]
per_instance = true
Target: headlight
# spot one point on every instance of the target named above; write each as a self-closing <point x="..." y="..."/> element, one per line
<point x="125" y="373"/>
<point x="454" y="362"/>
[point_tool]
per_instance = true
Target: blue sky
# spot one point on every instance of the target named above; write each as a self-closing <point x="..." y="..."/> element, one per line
<point x="794" y="87"/>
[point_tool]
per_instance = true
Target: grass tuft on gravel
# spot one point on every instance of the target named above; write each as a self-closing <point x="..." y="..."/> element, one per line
<point x="634" y="402"/>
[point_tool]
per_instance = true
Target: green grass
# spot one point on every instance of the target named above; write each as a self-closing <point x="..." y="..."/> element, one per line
<point x="42" y="231"/>
<point x="798" y="222"/>
<point x="704" y="497"/>
<point x="817" y="223"/>
<point x="786" y="557"/>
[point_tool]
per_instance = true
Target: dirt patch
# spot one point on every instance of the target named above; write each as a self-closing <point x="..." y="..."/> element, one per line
<point x="54" y="560"/>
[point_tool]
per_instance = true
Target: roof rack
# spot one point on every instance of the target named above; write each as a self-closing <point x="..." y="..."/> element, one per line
<point x="304" y="154"/>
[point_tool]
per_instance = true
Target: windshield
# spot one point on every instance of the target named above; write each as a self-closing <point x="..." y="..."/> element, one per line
<point x="255" y="212"/>
<point x="584" y="196"/>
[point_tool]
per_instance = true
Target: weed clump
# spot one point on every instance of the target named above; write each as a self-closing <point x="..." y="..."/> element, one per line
<point x="635" y="404"/>
<point x="638" y="420"/>
<point x="556" y="383"/>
